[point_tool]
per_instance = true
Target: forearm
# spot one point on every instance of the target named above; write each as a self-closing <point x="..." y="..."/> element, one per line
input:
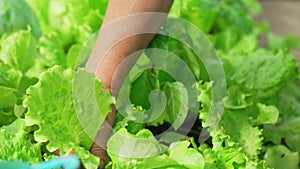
<point x="107" y="66"/>
<point x="112" y="56"/>
<point x="120" y="8"/>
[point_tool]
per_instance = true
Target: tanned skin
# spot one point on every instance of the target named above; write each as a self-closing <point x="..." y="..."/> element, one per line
<point x="106" y="68"/>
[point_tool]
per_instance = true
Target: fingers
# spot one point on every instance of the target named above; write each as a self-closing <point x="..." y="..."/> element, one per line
<point x="101" y="153"/>
<point x="99" y="146"/>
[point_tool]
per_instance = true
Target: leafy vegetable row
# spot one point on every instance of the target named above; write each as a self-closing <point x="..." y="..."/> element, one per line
<point x="42" y="90"/>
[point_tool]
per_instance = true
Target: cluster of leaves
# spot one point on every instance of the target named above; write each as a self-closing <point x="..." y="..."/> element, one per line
<point x="43" y="94"/>
<point x="258" y="128"/>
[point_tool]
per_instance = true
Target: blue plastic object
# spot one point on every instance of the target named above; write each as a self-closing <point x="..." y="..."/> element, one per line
<point x="65" y="162"/>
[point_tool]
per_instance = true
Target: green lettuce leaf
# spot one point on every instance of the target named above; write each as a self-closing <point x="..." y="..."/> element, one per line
<point x="19" y="50"/>
<point x="74" y="22"/>
<point x="280" y="157"/>
<point x="286" y="129"/>
<point x="15" y="145"/>
<point x="277" y="42"/>
<point x="200" y="13"/>
<point x="9" y="83"/>
<point x="262" y="74"/>
<point x="51" y="50"/>
<point x="69" y="108"/>
<point x="176" y="108"/>
<point x="227" y="154"/>
<point x="238" y="127"/>
<point x="240" y="120"/>
<point x="19" y="53"/>
<point x="188" y="157"/>
<point x="142" y="150"/>
<point x="16" y="15"/>
<point x="141" y="88"/>
<point x="224" y="157"/>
